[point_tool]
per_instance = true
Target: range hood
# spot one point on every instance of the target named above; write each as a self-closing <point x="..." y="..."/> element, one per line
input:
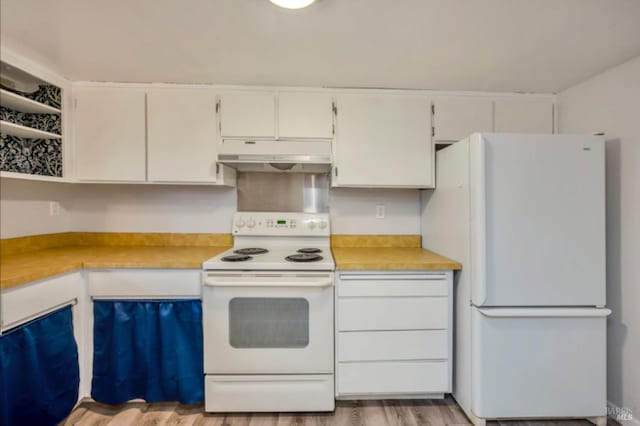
<point x="276" y="155"/>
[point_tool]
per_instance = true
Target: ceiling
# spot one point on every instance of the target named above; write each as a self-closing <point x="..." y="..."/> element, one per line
<point x="492" y="45"/>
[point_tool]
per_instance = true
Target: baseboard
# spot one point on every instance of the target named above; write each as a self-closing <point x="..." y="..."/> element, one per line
<point x="612" y="413"/>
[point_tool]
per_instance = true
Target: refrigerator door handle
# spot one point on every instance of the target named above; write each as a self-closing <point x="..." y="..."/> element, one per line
<point x="478" y="226"/>
<point x="545" y="312"/>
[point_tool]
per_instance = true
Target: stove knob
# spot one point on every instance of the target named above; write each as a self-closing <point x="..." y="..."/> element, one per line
<point x="240" y="223"/>
<point x="251" y="223"/>
<point x="311" y="225"/>
<point x="323" y="224"/>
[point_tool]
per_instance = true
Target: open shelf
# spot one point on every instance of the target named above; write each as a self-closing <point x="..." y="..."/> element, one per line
<point x="26" y="176"/>
<point x="20" y="103"/>
<point x="26" y="132"/>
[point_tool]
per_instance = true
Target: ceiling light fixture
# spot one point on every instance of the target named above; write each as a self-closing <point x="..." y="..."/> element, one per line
<point x="292" y="4"/>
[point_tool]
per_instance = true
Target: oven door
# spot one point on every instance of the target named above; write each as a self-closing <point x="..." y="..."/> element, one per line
<point x="268" y="322"/>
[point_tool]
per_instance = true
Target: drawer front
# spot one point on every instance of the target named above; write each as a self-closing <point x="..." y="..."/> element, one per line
<point x="27" y="302"/>
<point x="393" y="285"/>
<point x="393" y="345"/>
<point x="159" y="283"/>
<point x="402" y="377"/>
<point x="393" y="313"/>
<point x="280" y="393"/>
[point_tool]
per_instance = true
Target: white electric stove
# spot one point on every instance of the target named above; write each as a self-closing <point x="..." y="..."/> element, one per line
<point x="268" y="316"/>
<point x="277" y="241"/>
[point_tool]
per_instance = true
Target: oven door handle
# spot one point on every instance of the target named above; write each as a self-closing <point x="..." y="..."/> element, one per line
<point x="257" y="283"/>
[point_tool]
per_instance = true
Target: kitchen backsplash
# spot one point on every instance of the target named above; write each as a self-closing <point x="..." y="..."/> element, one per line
<point x="283" y="192"/>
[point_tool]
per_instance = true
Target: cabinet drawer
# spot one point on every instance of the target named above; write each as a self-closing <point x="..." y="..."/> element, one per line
<point x="393" y="313"/>
<point x="278" y="393"/>
<point x="402" y="377"/>
<point x="392" y="345"/>
<point x="393" y="285"/>
<point x="157" y="283"/>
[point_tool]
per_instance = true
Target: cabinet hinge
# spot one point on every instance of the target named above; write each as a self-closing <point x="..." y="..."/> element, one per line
<point x="334" y="107"/>
<point x="333" y="129"/>
<point x="217" y="168"/>
<point x="433" y="131"/>
<point x="335" y="169"/>
<point x="217" y="107"/>
<point x="433" y="109"/>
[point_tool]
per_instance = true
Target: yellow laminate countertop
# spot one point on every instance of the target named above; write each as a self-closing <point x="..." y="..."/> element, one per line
<point x="21" y="268"/>
<point x="390" y="258"/>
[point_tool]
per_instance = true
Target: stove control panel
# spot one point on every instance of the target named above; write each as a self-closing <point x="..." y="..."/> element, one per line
<point x="281" y="224"/>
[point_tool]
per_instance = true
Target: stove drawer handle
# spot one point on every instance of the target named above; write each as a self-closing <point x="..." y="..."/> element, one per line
<point x="308" y="284"/>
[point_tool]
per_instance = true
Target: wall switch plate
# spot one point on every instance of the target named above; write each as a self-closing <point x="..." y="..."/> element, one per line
<point x="380" y="211"/>
<point x="54" y="208"/>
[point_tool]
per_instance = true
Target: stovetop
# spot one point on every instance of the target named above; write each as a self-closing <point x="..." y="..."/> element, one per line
<point x="277" y="241"/>
<point x="274" y="259"/>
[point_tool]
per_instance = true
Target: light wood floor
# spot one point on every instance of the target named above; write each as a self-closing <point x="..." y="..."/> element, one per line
<point x="347" y="413"/>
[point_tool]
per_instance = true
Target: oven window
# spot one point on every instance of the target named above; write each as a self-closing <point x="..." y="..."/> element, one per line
<point x="265" y="322"/>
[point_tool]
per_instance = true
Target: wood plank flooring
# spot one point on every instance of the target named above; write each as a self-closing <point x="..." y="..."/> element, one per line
<point x="347" y="413"/>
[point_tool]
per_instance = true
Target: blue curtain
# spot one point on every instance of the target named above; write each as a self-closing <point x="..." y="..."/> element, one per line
<point x="39" y="371"/>
<point x="150" y="349"/>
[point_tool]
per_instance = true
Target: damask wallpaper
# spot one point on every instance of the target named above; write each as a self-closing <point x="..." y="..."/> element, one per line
<point x="33" y="156"/>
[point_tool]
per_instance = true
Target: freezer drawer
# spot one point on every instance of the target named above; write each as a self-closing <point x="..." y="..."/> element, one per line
<point x="269" y="393"/>
<point x="539" y="362"/>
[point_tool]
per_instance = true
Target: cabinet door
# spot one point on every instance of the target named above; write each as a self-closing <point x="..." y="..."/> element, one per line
<point x="248" y="114"/>
<point x="523" y="116"/>
<point x="181" y="126"/>
<point x="305" y="115"/>
<point x="109" y="134"/>
<point x="383" y="141"/>
<point x="457" y="118"/>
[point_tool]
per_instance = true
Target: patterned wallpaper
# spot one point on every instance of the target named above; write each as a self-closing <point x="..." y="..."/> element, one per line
<point x="33" y="156"/>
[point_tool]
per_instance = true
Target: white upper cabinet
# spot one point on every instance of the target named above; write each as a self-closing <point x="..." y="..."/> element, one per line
<point x="457" y="118"/>
<point x="383" y="141"/>
<point x="182" y="138"/>
<point x="270" y="115"/>
<point x="305" y="115"/>
<point x="248" y="114"/>
<point x="523" y="116"/>
<point x="109" y="134"/>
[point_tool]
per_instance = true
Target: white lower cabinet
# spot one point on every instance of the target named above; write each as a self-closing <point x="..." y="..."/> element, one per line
<point x="393" y="334"/>
<point x="22" y="304"/>
<point x="129" y="284"/>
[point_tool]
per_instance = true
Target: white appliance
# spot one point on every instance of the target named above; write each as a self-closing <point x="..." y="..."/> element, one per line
<point x="525" y="214"/>
<point x="268" y="316"/>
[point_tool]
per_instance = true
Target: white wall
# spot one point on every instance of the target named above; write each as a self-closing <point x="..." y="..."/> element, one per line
<point x="353" y="211"/>
<point x="151" y="208"/>
<point x="24" y="209"/>
<point x="610" y="102"/>
<point x="201" y="209"/>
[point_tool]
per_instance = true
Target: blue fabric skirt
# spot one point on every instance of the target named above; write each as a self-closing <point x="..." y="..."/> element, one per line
<point x="39" y="371"/>
<point x="149" y="349"/>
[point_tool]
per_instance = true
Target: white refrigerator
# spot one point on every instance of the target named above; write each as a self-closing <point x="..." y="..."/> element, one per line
<point x="525" y="215"/>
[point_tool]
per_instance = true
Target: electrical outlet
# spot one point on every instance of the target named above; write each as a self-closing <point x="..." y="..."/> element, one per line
<point x="380" y="211"/>
<point x="54" y="208"/>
